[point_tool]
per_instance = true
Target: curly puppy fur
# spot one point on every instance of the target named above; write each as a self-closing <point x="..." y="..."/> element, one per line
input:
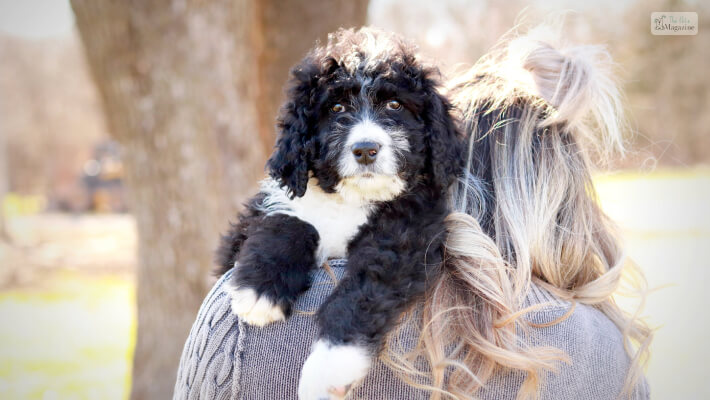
<point x="385" y="216"/>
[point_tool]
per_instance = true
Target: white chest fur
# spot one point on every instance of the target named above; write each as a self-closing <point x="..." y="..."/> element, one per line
<point x="336" y="218"/>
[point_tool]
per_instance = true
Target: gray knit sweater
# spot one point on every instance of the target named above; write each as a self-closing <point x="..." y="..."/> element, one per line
<point x="224" y="358"/>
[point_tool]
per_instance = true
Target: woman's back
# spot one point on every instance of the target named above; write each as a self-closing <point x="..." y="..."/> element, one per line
<point x="227" y="359"/>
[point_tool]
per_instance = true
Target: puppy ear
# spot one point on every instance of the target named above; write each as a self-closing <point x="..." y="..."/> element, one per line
<point x="296" y="145"/>
<point x="444" y="144"/>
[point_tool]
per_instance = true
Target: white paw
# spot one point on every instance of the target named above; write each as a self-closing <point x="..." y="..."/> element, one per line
<point x="331" y="369"/>
<point x="252" y="309"/>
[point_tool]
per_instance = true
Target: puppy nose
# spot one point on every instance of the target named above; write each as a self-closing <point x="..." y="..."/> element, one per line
<point x="365" y="152"/>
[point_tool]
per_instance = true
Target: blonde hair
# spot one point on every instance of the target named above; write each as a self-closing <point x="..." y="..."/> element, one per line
<point x="536" y="114"/>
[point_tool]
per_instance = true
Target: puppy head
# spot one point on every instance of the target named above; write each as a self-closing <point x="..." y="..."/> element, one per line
<point x="364" y="118"/>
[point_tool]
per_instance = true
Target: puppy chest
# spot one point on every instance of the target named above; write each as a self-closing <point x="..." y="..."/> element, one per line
<point x="336" y="223"/>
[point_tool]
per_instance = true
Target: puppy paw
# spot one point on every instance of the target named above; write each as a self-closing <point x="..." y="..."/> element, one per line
<point x="254" y="309"/>
<point x="331" y="370"/>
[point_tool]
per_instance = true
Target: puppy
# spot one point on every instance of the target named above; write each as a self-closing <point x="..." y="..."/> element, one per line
<point x="366" y="153"/>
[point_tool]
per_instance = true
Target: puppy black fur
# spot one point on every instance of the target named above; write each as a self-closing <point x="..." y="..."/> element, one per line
<point x="397" y="251"/>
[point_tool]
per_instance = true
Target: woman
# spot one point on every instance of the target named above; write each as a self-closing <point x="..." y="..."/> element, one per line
<point x="524" y="306"/>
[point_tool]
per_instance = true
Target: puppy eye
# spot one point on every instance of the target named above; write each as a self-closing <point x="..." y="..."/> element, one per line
<point x="337" y="108"/>
<point x="393" y="105"/>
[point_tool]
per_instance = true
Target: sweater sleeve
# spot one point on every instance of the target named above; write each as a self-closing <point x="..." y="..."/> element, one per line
<point x="206" y="369"/>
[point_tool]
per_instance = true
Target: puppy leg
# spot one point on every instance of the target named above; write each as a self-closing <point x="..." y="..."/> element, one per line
<point x="272" y="268"/>
<point x="389" y="266"/>
<point x="331" y="369"/>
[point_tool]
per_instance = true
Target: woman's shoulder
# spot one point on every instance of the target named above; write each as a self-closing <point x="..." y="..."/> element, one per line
<point x="598" y="361"/>
<point x="220" y="346"/>
<point x="571" y="325"/>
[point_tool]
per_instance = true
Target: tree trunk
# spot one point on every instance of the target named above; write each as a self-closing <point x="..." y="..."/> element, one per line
<point x="4" y="188"/>
<point x="290" y="29"/>
<point x="190" y="89"/>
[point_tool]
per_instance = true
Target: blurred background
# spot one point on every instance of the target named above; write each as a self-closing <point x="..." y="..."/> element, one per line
<point x="131" y="131"/>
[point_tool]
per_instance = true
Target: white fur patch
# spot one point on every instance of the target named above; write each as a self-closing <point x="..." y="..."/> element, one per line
<point x="332" y="367"/>
<point x="369" y="53"/>
<point x="252" y="309"/>
<point x="361" y="188"/>
<point x="336" y="218"/>
<point x="378" y="181"/>
<point x="368" y="130"/>
<point x="392" y="142"/>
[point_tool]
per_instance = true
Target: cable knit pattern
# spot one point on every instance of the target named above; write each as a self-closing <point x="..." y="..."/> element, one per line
<point x="224" y="358"/>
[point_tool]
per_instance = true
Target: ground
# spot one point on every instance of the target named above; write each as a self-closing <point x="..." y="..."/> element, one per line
<point x="67" y="306"/>
<point x="67" y="291"/>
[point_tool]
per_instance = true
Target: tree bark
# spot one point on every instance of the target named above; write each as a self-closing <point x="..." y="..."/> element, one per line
<point x="190" y="89"/>
<point x="4" y="188"/>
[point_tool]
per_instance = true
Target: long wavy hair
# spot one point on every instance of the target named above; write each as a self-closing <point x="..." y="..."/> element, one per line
<point x="538" y="116"/>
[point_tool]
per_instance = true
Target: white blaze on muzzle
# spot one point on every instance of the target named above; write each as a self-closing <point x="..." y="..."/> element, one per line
<point x="369" y="131"/>
<point x="378" y="180"/>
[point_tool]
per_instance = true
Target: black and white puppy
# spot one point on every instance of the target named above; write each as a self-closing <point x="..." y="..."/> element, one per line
<point x="361" y="169"/>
